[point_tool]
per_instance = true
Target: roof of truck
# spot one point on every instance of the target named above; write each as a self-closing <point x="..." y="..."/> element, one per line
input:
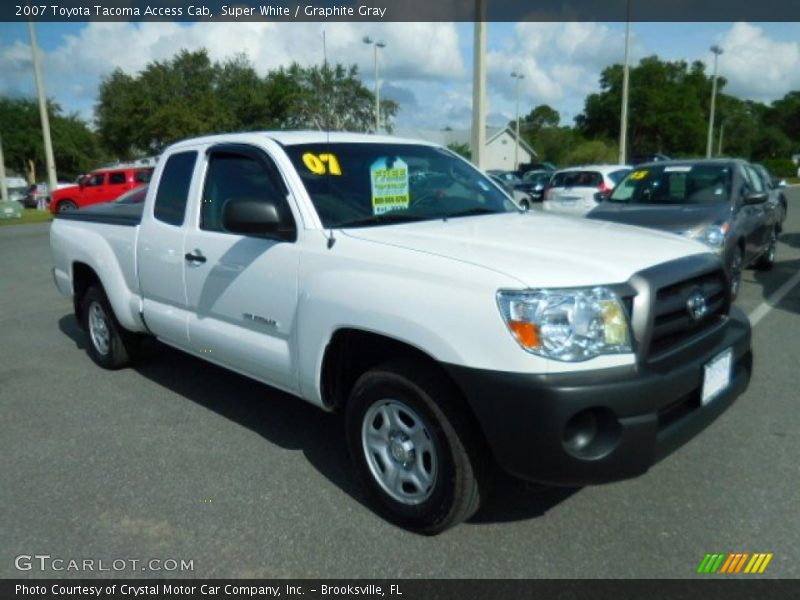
<point x="293" y="138"/>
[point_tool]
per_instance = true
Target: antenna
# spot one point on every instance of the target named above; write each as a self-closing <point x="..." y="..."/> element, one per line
<point x="331" y="239"/>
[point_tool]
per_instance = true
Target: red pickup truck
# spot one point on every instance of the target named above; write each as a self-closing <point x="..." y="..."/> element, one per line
<point x="103" y="185"/>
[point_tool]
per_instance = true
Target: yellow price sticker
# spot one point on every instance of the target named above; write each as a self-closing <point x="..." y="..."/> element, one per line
<point x="322" y="164"/>
<point x="637" y="175"/>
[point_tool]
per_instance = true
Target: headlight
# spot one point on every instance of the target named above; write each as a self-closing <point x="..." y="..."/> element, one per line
<point x="712" y="235"/>
<point x="566" y="324"/>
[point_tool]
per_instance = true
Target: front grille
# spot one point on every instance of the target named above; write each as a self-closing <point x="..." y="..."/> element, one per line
<point x="672" y="323"/>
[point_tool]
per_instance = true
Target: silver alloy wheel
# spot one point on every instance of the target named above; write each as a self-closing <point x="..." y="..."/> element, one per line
<point x="98" y="328"/>
<point x="400" y="452"/>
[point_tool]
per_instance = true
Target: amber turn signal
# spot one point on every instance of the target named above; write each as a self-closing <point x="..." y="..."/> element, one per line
<point x="526" y="333"/>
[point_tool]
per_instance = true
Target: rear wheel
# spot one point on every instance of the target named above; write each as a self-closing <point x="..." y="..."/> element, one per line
<point x="110" y="345"/>
<point x="415" y="447"/>
<point x="66" y="206"/>
<point x="767" y="259"/>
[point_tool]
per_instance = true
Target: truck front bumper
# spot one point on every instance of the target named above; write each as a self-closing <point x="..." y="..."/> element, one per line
<point x="600" y="426"/>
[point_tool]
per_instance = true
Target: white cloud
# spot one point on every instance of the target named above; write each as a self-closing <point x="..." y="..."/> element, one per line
<point x="413" y="52"/>
<point x="561" y="64"/>
<point x="756" y="66"/>
<point x="425" y="66"/>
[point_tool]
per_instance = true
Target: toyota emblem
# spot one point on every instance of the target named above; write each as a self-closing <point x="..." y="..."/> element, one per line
<point x="696" y="305"/>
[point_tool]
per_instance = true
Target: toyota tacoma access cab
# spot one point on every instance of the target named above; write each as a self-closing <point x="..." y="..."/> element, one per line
<point x="392" y="281"/>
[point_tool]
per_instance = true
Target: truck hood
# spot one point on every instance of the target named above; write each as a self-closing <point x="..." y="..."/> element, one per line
<point x="65" y="191"/>
<point x="538" y="250"/>
<point x="670" y="217"/>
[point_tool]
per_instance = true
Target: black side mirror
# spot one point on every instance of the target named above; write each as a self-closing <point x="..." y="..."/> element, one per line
<point x="600" y="197"/>
<point x="82" y="182"/>
<point x="755" y="198"/>
<point x="525" y="205"/>
<point x="251" y="216"/>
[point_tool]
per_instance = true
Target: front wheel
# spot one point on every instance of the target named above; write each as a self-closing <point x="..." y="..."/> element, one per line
<point x="110" y="345"/>
<point x="767" y="259"/>
<point x="415" y="447"/>
<point x="735" y="270"/>
<point x="66" y="206"/>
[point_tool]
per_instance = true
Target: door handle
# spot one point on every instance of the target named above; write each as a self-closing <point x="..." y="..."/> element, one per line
<point x="195" y="258"/>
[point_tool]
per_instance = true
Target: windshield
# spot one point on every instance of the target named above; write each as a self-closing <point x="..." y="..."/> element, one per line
<point x="539" y="177"/>
<point x="676" y="184"/>
<point x="356" y="185"/>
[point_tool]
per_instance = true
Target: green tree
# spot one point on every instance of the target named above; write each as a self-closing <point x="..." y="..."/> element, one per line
<point x="333" y="98"/>
<point x="190" y="95"/>
<point x="541" y="117"/>
<point x="785" y="114"/>
<point x="461" y="149"/>
<point x="739" y="123"/>
<point x="554" y="144"/>
<point x="592" y="152"/>
<point x="668" y="107"/>
<point x="167" y="101"/>
<point x="75" y="146"/>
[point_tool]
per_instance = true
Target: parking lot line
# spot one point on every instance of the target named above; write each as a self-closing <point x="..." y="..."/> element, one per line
<point x="763" y="309"/>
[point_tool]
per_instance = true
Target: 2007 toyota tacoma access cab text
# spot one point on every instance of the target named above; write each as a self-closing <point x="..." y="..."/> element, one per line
<point x="391" y="280"/>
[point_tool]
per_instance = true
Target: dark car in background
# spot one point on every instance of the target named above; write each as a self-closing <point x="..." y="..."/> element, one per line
<point x="537" y="182"/>
<point x="722" y="203"/>
<point x="515" y="185"/>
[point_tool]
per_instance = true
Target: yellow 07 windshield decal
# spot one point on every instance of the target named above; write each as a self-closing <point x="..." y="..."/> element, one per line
<point x="322" y="164"/>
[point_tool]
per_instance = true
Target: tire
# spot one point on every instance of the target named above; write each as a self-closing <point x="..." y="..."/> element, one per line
<point x="66" y="205"/>
<point x="415" y="447"/>
<point x="767" y="260"/>
<point x="110" y="345"/>
<point x="735" y="271"/>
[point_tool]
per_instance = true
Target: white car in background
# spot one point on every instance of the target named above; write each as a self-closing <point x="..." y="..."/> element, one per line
<point x="574" y="190"/>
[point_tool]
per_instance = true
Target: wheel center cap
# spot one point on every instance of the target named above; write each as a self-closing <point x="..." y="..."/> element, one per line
<point x="401" y="448"/>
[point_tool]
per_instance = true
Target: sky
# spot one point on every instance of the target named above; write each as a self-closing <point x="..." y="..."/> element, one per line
<point x="425" y="67"/>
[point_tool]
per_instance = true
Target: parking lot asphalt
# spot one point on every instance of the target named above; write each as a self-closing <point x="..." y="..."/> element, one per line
<point x="178" y="459"/>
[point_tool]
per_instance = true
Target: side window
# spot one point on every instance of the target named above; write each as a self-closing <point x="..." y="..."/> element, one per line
<point x="116" y="178"/>
<point x="756" y="183"/>
<point x="95" y="180"/>
<point x="232" y="176"/>
<point x="747" y="184"/>
<point x="173" y="189"/>
<point x="143" y="176"/>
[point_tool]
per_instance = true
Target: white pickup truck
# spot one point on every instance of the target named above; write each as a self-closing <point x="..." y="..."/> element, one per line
<point x="391" y="280"/>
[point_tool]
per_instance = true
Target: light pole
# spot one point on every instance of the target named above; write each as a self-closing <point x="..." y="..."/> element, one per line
<point x="3" y="186"/>
<point x="478" y="145"/>
<point x="717" y="51"/>
<point x="517" y="77"/>
<point x="623" y="121"/>
<point x="376" y="44"/>
<point x="48" y="143"/>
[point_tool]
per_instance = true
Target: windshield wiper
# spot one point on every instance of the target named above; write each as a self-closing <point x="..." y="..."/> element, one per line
<point x="472" y="212"/>
<point x="387" y="217"/>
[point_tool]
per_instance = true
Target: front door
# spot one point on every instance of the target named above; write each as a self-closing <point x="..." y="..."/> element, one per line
<point x="242" y="290"/>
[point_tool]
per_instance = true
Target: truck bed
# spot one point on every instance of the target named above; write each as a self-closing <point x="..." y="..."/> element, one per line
<point x="127" y="215"/>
